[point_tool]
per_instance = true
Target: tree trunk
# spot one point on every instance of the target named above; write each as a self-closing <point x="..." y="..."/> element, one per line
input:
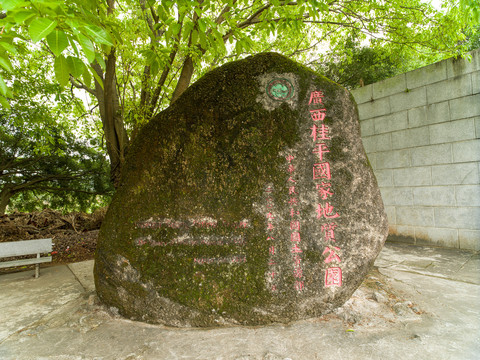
<point x="184" y="79"/>
<point x="113" y="126"/>
<point x="5" y="196"/>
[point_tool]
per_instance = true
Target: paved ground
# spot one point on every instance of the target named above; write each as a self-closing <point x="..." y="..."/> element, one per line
<point x="418" y="303"/>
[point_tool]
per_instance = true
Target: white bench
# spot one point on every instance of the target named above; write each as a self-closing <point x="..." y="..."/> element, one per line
<point x="26" y="247"/>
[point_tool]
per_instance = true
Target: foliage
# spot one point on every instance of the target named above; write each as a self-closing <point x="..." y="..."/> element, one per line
<point x="359" y="65"/>
<point x="136" y="57"/>
<point x="42" y="163"/>
<point x="67" y="174"/>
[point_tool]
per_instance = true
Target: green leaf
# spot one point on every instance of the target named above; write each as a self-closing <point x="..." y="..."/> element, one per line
<point x="150" y="56"/>
<point x="23" y="15"/>
<point x="100" y="61"/>
<point x="154" y="67"/>
<point x="202" y="25"/>
<point x="99" y="80"/>
<point x="4" y="102"/>
<point x="57" y="41"/>
<point x="203" y="40"/>
<point x="194" y="37"/>
<point x="61" y="70"/>
<point x="99" y="35"/>
<point x="5" y="62"/>
<point x="3" y="87"/>
<point x="76" y="66"/>
<point x="40" y="28"/>
<point x="74" y="46"/>
<point x="8" y="47"/>
<point x="10" y="4"/>
<point x="87" y="47"/>
<point x="87" y="78"/>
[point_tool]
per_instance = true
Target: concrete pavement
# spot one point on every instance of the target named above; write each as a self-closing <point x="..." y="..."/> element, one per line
<point x="418" y="303"/>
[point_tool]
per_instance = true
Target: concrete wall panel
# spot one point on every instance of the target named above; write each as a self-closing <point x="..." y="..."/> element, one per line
<point x="453" y="88"/>
<point x="427" y="75"/>
<point x="462" y="108"/>
<point x="432" y="155"/>
<point x="408" y="99"/>
<point x="452" y="131"/>
<point x="421" y="131"/>
<point x="452" y="174"/>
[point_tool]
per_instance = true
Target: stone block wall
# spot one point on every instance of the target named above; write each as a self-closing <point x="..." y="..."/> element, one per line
<point x="421" y="132"/>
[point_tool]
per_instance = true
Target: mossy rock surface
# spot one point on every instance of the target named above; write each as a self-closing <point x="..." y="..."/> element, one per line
<point x="249" y="201"/>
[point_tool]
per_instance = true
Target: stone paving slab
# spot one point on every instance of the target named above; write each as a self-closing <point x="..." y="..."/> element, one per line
<point x="418" y="304"/>
<point x="25" y="300"/>
<point x="459" y="265"/>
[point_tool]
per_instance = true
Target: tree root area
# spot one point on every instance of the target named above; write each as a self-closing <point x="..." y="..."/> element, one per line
<point x="74" y="235"/>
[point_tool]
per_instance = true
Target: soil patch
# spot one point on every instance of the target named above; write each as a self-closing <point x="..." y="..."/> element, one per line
<point x="74" y="235"/>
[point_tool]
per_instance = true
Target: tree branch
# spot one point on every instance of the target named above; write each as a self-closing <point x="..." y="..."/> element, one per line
<point x="165" y="72"/>
<point x="80" y="85"/>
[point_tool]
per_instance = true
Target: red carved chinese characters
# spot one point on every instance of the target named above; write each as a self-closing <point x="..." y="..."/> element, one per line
<point x="316" y="97"/>
<point x="324" y="190"/>
<point x="332" y="255"/>
<point x="272" y="249"/>
<point x="333" y="277"/>
<point x="328" y="230"/>
<point x="326" y="211"/>
<point x="321" y="171"/>
<point x="321" y="149"/>
<point x="295" y="227"/>
<point x="318" y="114"/>
<point x="320" y="133"/>
<point x="322" y="176"/>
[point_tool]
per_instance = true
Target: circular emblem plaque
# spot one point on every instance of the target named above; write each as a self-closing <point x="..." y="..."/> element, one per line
<point x="280" y="89"/>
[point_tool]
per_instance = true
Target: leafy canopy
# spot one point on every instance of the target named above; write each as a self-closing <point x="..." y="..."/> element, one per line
<point x="135" y="57"/>
<point x="146" y="34"/>
<point x="42" y="162"/>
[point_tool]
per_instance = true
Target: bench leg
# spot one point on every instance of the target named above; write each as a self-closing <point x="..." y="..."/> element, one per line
<point x="37" y="268"/>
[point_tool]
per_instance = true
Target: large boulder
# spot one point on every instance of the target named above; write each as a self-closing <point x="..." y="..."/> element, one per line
<point x="249" y="201"/>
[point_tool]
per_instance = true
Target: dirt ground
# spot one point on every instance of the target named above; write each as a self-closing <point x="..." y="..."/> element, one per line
<point x="74" y="235"/>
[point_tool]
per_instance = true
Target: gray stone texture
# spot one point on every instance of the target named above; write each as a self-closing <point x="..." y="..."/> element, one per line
<point x="376" y="143"/>
<point x="232" y="211"/>
<point x="384" y="177"/>
<point x="467" y="195"/>
<point x="374" y="108"/>
<point x="392" y="122"/>
<point x="432" y="155"/>
<point x="367" y="128"/>
<point x="456" y="87"/>
<point x="415" y="176"/>
<point x="458" y="217"/>
<point x="393" y="159"/>
<point x="452" y="131"/>
<point x="408" y="99"/>
<point x="364" y="94"/>
<point x="460" y="66"/>
<point x="389" y="86"/>
<point x="410" y="138"/>
<point x="476" y="82"/>
<point x="466" y="151"/>
<point x="452" y="174"/>
<point x="438" y="236"/>
<point x="434" y="196"/>
<point x="416" y="216"/>
<point x="427" y="75"/>
<point x="438" y="113"/>
<point x="427" y="161"/>
<point x="468" y="106"/>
